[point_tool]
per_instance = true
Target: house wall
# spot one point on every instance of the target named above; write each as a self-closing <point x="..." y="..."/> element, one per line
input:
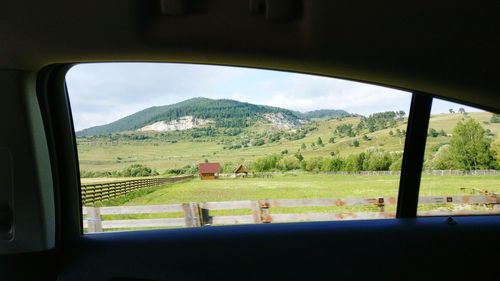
<point x="208" y="176"/>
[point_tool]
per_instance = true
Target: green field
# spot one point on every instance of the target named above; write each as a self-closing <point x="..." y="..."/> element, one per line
<point x="115" y="155"/>
<point x="294" y="186"/>
<point x="298" y="186"/>
<point x="102" y="154"/>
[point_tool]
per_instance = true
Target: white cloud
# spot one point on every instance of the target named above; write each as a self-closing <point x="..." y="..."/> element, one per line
<point x="310" y="93"/>
<point x="102" y="93"/>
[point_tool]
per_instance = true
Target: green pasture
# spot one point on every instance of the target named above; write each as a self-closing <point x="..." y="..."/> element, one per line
<point x="296" y="186"/>
<point x="164" y="155"/>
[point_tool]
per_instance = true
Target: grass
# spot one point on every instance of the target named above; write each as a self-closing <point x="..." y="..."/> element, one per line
<point x="286" y="186"/>
<point x="164" y="155"/>
<point x="307" y="185"/>
<point x="296" y="186"/>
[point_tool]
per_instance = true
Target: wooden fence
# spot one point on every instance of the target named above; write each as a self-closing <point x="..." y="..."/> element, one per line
<point x="260" y="211"/>
<point x="379" y="173"/>
<point x="92" y="193"/>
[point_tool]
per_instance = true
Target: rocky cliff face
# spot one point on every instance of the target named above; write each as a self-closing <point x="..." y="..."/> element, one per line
<point x="183" y="123"/>
<point x="281" y="121"/>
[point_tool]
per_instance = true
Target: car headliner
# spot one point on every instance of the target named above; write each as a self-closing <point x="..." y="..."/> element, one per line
<point x="449" y="49"/>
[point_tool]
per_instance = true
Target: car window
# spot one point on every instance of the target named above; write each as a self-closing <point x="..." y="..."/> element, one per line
<point x="462" y="158"/>
<point x="178" y="145"/>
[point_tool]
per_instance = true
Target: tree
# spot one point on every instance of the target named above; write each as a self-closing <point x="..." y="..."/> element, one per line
<point x="354" y="162"/>
<point x="332" y="164"/>
<point x="299" y="156"/>
<point x="443" y="160"/>
<point x="397" y="161"/>
<point x="461" y="110"/>
<point x="451" y="110"/>
<point x="314" y="164"/>
<point x="495" y="118"/>
<point x="401" y="114"/>
<point x="355" y="143"/>
<point x="377" y="160"/>
<point x="397" y="164"/>
<point x="319" y="141"/>
<point x="258" y="142"/>
<point x="495" y="148"/>
<point x="138" y="170"/>
<point x="288" y="163"/>
<point x="433" y="133"/>
<point x="400" y="134"/>
<point x="266" y="163"/>
<point x="469" y="146"/>
<point x="344" y="130"/>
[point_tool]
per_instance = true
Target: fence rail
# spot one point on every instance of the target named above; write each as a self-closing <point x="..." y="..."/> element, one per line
<point x="381" y="173"/>
<point x="198" y="214"/>
<point x="92" y="193"/>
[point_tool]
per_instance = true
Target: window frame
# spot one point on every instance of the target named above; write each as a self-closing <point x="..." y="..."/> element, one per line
<point x="58" y="123"/>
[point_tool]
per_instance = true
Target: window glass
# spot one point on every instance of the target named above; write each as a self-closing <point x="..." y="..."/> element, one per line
<point x="462" y="158"/>
<point x="177" y="145"/>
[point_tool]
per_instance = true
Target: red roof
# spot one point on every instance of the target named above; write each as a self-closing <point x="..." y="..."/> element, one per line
<point x="209" y="168"/>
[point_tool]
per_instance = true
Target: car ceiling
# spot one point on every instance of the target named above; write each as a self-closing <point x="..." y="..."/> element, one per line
<point x="449" y="49"/>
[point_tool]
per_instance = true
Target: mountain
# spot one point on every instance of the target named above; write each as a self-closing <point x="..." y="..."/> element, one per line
<point x="198" y="112"/>
<point x="322" y="113"/>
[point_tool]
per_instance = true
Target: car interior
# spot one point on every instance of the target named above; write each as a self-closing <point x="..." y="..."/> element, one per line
<point x="447" y="50"/>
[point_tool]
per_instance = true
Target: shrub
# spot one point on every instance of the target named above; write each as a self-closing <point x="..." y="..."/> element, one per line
<point x="314" y="164"/>
<point x="355" y="143"/>
<point x="258" y="142"/>
<point x="138" y="170"/>
<point x="266" y="163"/>
<point x="433" y="133"/>
<point x="377" y="160"/>
<point x="354" y="162"/>
<point x="332" y="164"/>
<point x="288" y="163"/>
<point x="397" y="161"/>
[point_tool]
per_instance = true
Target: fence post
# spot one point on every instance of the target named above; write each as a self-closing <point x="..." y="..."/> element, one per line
<point x="496" y="206"/>
<point x="94" y="220"/>
<point x="191" y="214"/>
<point x="265" y="216"/>
<point x="205" y="217"/>
<point x="257" y="216"/>
<point x="381" y="204"/>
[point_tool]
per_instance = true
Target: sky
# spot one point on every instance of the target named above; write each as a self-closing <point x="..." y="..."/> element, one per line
<point x="101" y="93"/>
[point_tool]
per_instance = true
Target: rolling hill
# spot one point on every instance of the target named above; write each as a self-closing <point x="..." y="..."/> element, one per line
<point x="177" y="149"/>
<point x="198" y="112"/>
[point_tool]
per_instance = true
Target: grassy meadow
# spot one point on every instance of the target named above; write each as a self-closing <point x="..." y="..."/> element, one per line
<point x="115" y="155"/>
<point x="99" y="155"/>
<point x="296" y="186"/>
<point x="306" y="185"/>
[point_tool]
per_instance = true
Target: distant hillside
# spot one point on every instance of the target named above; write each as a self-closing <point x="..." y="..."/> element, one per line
<point x="196" y="112"/>
<point x="323" y="113"/>
<point x="223" y="112"/>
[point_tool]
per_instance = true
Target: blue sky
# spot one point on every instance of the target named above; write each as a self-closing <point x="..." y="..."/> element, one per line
<point x="101" y="93"/>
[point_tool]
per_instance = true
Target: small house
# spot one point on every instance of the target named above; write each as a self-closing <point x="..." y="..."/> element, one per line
<point x="209" y="171"/>
<point x="241" y="170"/>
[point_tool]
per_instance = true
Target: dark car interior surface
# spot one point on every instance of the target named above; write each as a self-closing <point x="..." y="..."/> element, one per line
<point x="445" y="49"/>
